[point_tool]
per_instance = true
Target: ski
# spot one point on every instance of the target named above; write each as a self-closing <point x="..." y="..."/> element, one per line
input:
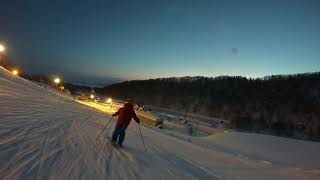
<point x="115" y="145"/>
<point x="121" y="151"/>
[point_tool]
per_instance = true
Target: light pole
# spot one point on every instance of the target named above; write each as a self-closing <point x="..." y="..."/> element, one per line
<point x="109" y="102"/>
<point x="2" y="50"/>
<point x="57" y="82"/>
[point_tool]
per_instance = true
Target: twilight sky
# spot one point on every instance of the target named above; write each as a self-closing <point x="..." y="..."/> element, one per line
<point x="138" y="39"/>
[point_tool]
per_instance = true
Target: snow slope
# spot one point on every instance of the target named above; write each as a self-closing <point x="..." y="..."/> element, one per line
<point x="46" y="136"/>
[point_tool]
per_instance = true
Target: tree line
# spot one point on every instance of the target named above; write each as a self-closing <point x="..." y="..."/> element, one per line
<point x="284" y="105"/>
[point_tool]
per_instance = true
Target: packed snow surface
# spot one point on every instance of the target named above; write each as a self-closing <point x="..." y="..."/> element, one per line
<point x="44" y="135"/>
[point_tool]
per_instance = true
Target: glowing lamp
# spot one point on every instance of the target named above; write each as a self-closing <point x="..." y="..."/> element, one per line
<point x="109" y="100"/>
<point x="57" y="80"/>
<point x="92" y="96"/>
<point x="2" y="48"/>
<point x="15" y="72"/>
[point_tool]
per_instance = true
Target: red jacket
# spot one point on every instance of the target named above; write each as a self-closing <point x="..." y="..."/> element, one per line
<point x="126" y="113"/>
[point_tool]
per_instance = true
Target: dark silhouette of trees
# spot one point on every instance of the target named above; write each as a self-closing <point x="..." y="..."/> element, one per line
<point x="285" y="105"/>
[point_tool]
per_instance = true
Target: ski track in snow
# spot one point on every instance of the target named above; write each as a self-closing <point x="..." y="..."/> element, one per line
<point x="46" y="136"/>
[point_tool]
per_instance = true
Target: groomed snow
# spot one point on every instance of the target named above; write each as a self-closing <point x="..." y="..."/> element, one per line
<point x="47" y="136"/>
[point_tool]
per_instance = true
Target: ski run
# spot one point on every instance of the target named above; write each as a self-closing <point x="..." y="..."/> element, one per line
<point x="45" y="135"/>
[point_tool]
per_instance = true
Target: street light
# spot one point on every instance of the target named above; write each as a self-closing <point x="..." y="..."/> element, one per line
<point x="15" y="72"/>
<point x="92" y="96"/>
<point x="57" y="81"/>
<point x="109" y="100"/>
<point x="109" y="103"/>
<point x="2" y="48"/>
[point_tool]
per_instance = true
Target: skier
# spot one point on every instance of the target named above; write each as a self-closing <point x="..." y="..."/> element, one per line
<point x="125" y="113"/>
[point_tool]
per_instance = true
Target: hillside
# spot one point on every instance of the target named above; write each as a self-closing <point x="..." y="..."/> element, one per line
<point x="284" y="105"/>
<point x="44" y="135"/>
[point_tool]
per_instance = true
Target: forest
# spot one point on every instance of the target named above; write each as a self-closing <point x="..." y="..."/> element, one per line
<point x="282" y="105"/>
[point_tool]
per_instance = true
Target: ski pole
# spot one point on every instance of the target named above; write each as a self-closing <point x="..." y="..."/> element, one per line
<point x="145" y="149"/>
<point x="104" y="128"/>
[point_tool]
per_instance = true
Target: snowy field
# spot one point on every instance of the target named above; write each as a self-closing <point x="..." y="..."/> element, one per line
<point x="44" y="135"/>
